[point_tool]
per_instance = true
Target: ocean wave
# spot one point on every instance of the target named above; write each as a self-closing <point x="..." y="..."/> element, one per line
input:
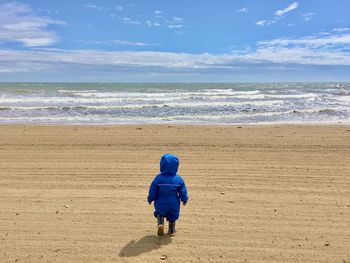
<point x="164" y="94"/>
<point x="321" y="110"/>
<point x="148" y="103"/>
<point x="342" y="99"/>
<point x="179" y="105"/>
<point x="291" y="96"/>
<point x="252" y="118"/>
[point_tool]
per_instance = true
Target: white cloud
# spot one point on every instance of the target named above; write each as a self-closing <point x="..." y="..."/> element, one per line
<point x="92" y="6"/>
<point x="129" y="21"/>
<point x="342" y="29"/>
<point x="331" y="49"/>
<point x="307" y="16"/>
<point x="242" y="10"/>
<point x="130" y="43"/>
<point x="265" y="22"/>
<point x="287" y="9"/>
<point x="106" y="58"/>
<point x="175" y="22"/>
<point x="310" y="41"/>
<point x="261" y="23"/>
<point x="279" y="15"/>
<point x="175" y="26"/>
<point x="19" y="24"/>
<point x="325" y="49"/>
<point x="171" y="23"/>
<point x="301" y="56"/>
<point x="48" y="11"/>
<point x="157" y="20"/>
<point x="118" y="42"/>
<point x="150" y="23"/>
<point x="177" y="19"/>
<point x="310" y="50"/>
<point x="103" y="9"/>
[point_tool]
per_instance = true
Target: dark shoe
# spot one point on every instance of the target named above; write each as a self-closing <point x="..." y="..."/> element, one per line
<point x="160" y="221"/>
<point x="172" y="229"/>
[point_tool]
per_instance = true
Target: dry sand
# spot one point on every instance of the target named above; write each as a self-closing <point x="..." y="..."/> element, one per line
<point x="257" y="193"/>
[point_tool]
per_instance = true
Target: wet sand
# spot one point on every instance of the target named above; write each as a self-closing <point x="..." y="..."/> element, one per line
<point x="257" y="193"/>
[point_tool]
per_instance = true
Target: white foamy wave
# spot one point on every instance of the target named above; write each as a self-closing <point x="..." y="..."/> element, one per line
<point x="188" y="104"/>
<point x="342" y="99"/>
<point x="291" y="96"/>
<point x="165" y="94"/>
<point x="176" y="103"/>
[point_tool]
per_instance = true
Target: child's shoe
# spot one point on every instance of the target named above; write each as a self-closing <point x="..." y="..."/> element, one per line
<point x="160" y="221"/>
<point x="172" y="229"/>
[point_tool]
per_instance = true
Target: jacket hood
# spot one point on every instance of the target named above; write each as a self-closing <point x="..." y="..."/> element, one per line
<point x="169" y="164"/>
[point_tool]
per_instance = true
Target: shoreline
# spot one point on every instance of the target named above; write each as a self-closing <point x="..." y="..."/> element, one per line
<point x="271" y="124"/>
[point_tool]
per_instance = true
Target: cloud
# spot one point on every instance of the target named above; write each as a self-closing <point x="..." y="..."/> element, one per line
<point x="103" y="9"/>
<point x="129" y="21"/>
<point x="265" y="22"/>
<point x="264" y="64"/>
<point x="97" y="8"/>
<point x="300" y="56"/>
<point x="92" y="6"/>
<point x="307" y="16"/>
<point x="279" y="15"/>
<point x="177" y="19"/>
<point x="310" y="41"/>
<point x="150" y="23"/>
<point x="322" y="49"/>
<point x="112" y="58"/>
<point x="261" y="23"/>
<point x="329" y="50"/>
<point x="342" y="29"/>
<point x="19" y="24"/>
<point x="175" y="26"/>
<point x="161" y="21"/>
<point x="242" y="10"/>
<point x="48" y="11"/>
<point x="118" y="42"/>
<point x="130" y="43"/>
<point x="158" y="20"/>
<point x="175" y="22"/>
<point x="287" y="9"/>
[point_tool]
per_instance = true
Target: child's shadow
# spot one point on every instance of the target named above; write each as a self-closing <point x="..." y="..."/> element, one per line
<point x="145" y="244"/>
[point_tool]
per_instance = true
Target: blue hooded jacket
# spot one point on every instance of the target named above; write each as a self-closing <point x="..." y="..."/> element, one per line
<point x="168" y="188"/>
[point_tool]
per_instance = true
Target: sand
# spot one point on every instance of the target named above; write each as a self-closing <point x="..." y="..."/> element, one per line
<point x="257" y="193"/>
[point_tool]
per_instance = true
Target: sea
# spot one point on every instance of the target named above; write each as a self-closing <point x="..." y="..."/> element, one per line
<point x="174" y="103"/>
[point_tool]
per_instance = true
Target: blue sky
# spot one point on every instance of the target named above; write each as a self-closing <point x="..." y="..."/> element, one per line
<point x="182" y="40"/>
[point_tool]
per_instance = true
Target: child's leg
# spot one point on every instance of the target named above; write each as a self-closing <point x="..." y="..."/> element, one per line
<point x="172" y="229"/>
<point x="172" y="216"/>
<point x="160" y="221"/>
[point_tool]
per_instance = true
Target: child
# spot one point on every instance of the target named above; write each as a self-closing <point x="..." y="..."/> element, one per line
<point x="166" y="190"/>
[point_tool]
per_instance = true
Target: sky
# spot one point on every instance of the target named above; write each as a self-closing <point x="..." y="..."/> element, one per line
<point x="175" y="41"/>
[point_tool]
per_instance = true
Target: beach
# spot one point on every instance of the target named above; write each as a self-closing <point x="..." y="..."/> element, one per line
<point x="257" y="193"/>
